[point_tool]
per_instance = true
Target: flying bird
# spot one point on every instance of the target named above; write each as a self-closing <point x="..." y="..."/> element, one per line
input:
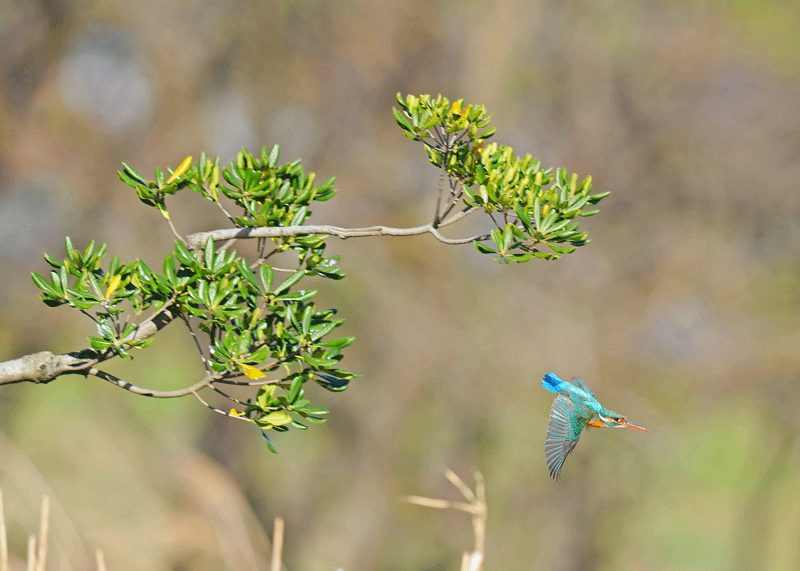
<point x="574" y="408"/>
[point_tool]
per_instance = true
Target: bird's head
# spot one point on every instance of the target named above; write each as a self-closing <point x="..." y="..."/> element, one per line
<point x="611" y="419"/>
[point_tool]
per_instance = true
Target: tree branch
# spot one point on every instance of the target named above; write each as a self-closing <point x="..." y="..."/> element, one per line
<point x="201" y="384"/>
<point x="197" y="241"/>
<point x="44" y="366"/>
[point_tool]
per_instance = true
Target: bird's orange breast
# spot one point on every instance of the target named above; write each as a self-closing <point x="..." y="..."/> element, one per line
<point x="596" y="422"/>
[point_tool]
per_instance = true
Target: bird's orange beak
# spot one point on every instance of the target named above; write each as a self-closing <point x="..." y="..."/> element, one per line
<point x="626" y="424"/>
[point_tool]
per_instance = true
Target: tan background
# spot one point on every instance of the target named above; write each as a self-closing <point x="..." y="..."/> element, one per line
<point x="682" y="313"/>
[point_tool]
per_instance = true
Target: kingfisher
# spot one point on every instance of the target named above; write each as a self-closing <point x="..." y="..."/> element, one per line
<point x="574" y="408"/>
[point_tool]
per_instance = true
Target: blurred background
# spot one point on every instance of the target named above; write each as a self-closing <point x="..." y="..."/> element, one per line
<point x="682" y="313"/>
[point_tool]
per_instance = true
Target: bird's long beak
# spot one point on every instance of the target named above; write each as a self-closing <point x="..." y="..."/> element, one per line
<point x="626" y="424"/>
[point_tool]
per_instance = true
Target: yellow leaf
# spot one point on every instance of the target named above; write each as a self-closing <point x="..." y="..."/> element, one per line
<point x="113" y="285"/>
<point x="182" y="168"/>
<point x="214" y="183"/>
<point x="251" y="372"/>
<point x="278" y="418"/>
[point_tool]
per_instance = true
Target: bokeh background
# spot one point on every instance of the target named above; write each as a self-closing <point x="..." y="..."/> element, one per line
<point x="682" y="313"/>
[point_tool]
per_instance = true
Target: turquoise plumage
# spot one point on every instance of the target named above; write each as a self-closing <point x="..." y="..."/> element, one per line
<point x="574" y="408"/>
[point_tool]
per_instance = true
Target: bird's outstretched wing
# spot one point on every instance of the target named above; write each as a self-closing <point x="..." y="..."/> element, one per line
<point x="582" y="385"/>
<point x="563" y="432"/>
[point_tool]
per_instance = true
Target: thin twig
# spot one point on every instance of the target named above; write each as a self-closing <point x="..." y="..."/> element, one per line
<point x="227" y="396"/>
<point x="203" y="383"/>
<point x="277" y="544"/>
<point x="3" y="538"/>
<point x="475" y="506"/>
<point x="219" y="410"/>
<point x="225" y="212"/>
<point x="196" y="342"/>
<point x="248" y="383"/>
<point x="101" y="561"/>
<point x="44" y="528"/>
<point x="437" y="211"/>
<point x="31" y="553"/>
<point x="471" y="561"/>
<point x="175" y="231"/>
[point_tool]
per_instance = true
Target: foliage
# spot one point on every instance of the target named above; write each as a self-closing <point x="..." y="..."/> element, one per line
<point x="534" y="205"/>
<point x="252" y="323"/>
<point x="255" y="330"/>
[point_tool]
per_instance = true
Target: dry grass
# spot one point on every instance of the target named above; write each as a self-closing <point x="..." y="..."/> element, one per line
<point x="475" y="505"/>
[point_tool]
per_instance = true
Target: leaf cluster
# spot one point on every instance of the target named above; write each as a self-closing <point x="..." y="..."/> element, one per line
<point x="529" y="205"/>
<point x="252" y="327"/>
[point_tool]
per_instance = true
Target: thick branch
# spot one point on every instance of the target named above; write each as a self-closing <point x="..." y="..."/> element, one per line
<point x="45" y="366"/>
<point x="197" y="241"/>
<point x="42" y="367"/>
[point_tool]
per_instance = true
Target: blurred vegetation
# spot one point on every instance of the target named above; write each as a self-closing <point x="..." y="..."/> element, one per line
<point x="683" y="311"/>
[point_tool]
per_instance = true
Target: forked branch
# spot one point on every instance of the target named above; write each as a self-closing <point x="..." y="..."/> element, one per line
<point x="474" y="506"/>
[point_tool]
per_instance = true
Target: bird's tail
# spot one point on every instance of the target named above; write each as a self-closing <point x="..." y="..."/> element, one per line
<point x="552" y="383"/>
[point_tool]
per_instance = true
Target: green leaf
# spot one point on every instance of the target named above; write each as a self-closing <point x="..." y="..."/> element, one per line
<point x="269" y="442"/>
<point x="318" y="362"/>
<point x="508" y="236"/>
<point x="340" y="343"/>
<point x="113" y="266"/>
<point x="331" y="383"/>
<point x="294" y="389"/>
<point x="183" y="254"/>
<point x="544" y="255"/>
<point x="267" y="274"/>
<point x="99" y="344"/>
<point x="127" y="179"/>
<point x="402" y="120"/>
<point x="312" y="410"/>
<point x="274" y="154"/>
<point x="208" y="253"/>
<point x="131" y="172"/>
<point x="483" y="249"/>
<point x="497" y="238"/>
<point x="290" y="281"/>
<point x="299" y="216"/>
<point x="247" y="274"/>
<point x="169" y="269"/>
<point x="50" y="259"/>
<point x="303" y="295"/>
<point x="72" y="253"/>
<point x="595" y="198"/>
<point x="44" y="285"/>
<point x="322" y="329"/>
<point x="520" y="258"/>
<point x="524" y="217"/>
<point x="561" y="249"/>
<point x="306" y="322"/>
